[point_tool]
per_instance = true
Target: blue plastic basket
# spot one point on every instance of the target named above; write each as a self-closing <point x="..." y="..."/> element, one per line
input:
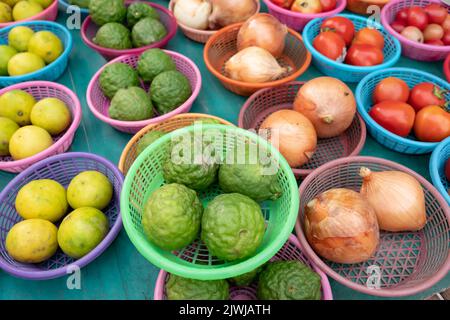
<point x="364" y="101"/>
<point x="342" y="71"/>
<point x="437" y="163"/>
<point x="64" y="4"/>
<point x="50" y="72"/>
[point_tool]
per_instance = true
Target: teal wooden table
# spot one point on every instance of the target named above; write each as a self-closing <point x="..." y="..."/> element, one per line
<point x="121" y="272"/>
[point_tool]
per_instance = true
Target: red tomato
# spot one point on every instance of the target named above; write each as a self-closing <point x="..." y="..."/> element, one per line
<point x="364" y="55"/>
<point x="393" y="89"/>
<point x="436" y="13"/>
<point x="396" y="117"/>
<point x="398" y="26"/>
<point x="330" y="44"/>
<point x="417" y="17"/>
<point x="447" y="169"/>
<point x="341" y="26"/>
<point x="413" y="34"/>
<point x="426" y="94"/>
<point x="283" y="3"/>
<point x="369" y="36"/>
<point x="402" y="15"/>
<point x="432" y="124"/>
<point x="306" y="6"/>
<point x="446" y="23"/>
<point x="446" y="38"/>
<point x="435" y="42"/>
<point x="328" y="5"/>
<point x="433" y="31"/>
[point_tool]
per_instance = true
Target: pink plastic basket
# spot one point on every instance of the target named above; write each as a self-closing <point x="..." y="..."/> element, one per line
<point x="49" y="14"/>
<point x="292" y="250"/>
<point x="99" y="104"/>
<point x="266" y="101"/>
<point x="411" y="49"/>
<point x="406" y="262"/>
<point x="447" y="67"/>
<point x="62" y="142"/>
<point x="89" y="30"/>
<point x="297" y="20"/>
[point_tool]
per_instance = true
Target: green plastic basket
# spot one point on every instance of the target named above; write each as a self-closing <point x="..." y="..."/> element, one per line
<point x="194" y="261"/>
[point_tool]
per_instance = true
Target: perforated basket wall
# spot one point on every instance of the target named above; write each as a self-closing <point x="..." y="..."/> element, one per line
<point x="438" y="159"/>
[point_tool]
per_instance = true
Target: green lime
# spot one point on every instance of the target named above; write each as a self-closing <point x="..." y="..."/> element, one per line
<point x="16" y="105"/>
<point x="6" y="53"/>
<point x="19" y="37"/>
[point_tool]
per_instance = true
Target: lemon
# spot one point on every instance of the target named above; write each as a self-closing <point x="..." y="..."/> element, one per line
<point x="10" y="3"/>
<point x="23" y="63"/>
<point x="89" y="189"/>
<point x="26" y="9"/>
<point x="28" y="141"/>
<point x="42" y="199"/>
<point x="6" y="53"/>
<point x="16" y="105"/>
<point x="51" y="114"/>
<point x="5" y="12"/>
<point x="46" y="45"/>
<point x="18" y="38"/>
<point x="44" y="3"/>
<point x="7" y="129"/>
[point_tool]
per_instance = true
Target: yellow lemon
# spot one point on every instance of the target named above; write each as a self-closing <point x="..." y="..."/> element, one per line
<point x="18" y="38"/>
<point x="26" y="9"/>
<point x="28" y="141"/>
<point x="46" y="45"/>
<point x="10" y="3"/>
<point x="7" y="129"/>
<point x="52" y="115"/>
<point x="44" y="3"/>
<point x="23" y="63"/>
<point x="16" y="105"/>
<point x="5" y="12"/>
<point x="6" y="53"/>
<point x="89" y="189"/>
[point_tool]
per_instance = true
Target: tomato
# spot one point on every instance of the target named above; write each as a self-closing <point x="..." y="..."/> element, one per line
<point x="396" y="117"/>
<point x="328" y="5"/>
<point x="436" y="13"/>
<point x="433" y="31"/>
<point x="306" y="6"/>
<point x="364" y="55"/>
<point x="402" y="15"/>
<point x="417" y="17"/>
<point x="341" y="26"/>
<point x="432" y="124"/>
<point x="446" y="23"/>
<point x="435" y="42"/>
<point x="447" y="169"/>
<point x="413" y="34"/>
<point x="446" y="38"/>
<point x="369" y="36"/>
<point x="283" y="3"/>
<point x="330" y="44"/>
<point x="393" y="89"/>
<point x="398" y="26"/>
<point x="426" y="94"/>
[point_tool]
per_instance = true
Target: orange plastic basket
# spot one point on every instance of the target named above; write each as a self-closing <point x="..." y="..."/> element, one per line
<point x="222" y="46"/>
<point x="179" y="121"/>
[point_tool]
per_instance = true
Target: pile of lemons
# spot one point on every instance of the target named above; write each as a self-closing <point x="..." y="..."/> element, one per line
<point x="16" y="10"/>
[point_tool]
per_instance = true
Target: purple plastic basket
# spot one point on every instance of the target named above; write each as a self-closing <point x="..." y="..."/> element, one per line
<point x="61" y="168"/>
<point x="292" y="250"/>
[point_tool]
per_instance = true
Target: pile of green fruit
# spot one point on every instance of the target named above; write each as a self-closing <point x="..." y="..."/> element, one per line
<point x="16" y="10"/>
<point x="168" y="88"/>
<point x="27" y="125"/>
<point x="43" y="203"/>
<point x="116" y="20"/>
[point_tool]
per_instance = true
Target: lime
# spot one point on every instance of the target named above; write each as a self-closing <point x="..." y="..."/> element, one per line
<point x="51" y="114"/>
<point x="89" y="189"/>
<point x="44" y="3"/>
<point x="46" y="45"/>
<point x="23" y="63"/>
<point x="5" y="12"/>
<point x="16" y="105"/>
<point x="7" y="129"/>
<point x="26" y="9"/>
<point x="6" y="53"/>
<point x="19" y="37"/>
<point x="28" y="141"/>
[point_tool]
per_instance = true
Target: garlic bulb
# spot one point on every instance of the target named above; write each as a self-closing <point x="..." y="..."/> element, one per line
<point x="254" y="65"/>
<point x="226" y="12"/>
<point x="193" y="13"/>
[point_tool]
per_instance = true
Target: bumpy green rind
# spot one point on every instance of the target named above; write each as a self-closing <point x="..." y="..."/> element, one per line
<point x="113" y="35"/>
<point x="131" y="104"/>
<point x="138" y="10"/>
<point x="169" y="90"/>
<point x="246" y="279"/>
<point x="147" y="140"/>
<point x="117" y="76"/>
<point x="80" y="3"/>
<point x="104" y="11"/>
<point x="153" y="62"/>
<point x="178" y="288"/>
<point x="147" y="31"/>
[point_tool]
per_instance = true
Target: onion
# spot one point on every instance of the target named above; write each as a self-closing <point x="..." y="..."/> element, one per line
<point x="254" y="65"/>
<point x="328" y="103"/>
<point x="265" y="31"/>
<point x="292" y="134"/>
<point x="193" y="13"/>
<point x="226" y="12"/>
<point x="341" y="226"/>
<point x="397" y="198"/>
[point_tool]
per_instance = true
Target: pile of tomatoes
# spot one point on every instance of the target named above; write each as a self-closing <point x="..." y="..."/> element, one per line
<point x="430" y="24"/>
<point x="423" y="109"/>
<point x="338" y="41"/>
<point x="307" y="6"/>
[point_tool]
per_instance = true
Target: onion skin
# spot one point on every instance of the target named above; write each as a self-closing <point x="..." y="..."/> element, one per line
<point x="397" y="198"/>
<point x="193" y="13"/>
<point x="292" y="134"/>
<point x="226" y="12"/>
<point x="341" y="226"/>
<point x="265" y="31"/>
<point x="329" y="103"/>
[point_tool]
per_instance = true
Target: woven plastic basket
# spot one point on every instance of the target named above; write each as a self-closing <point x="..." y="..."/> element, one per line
<point x="406" y="262"/>
<point x="51" y="71"/>
<point x="346" y="72"/>
<point x="61" y="168"/>
<point x="89" y="30"/>
<point x="412" y="49"/>
<point x="99" y="104"/>
<point x="65" y="4"/>
<point x="176" y="122"/>
<point x="438" y="159"/>
<point x="50" y="14"/>
<point x="364" y="6"/>
<point x="194" y="261"/>
<point x="62" y="142"/>
<point x="364" y="101"/>
<point x="297" y="20"/>
<point x="265" y="102"/>
<point x="291" y="250"/>
<point x="446" y="67"/>
<point x="222" y="46"/>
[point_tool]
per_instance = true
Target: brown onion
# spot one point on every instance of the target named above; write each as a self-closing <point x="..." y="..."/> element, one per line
<point x="226" y="12"/>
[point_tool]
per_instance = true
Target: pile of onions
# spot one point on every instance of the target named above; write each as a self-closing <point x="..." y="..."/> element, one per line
<point x="328" y="103"/>
<point x="341" y="226"/>
<point x="193" y="13"/>
<point x="226" y="12"/>
<point x="396" y="197"/>
<point x="265" y="31"/>
<point x="292" y="134"/>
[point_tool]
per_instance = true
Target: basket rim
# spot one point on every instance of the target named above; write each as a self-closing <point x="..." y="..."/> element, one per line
<point x="346" y="67"/>
<point x="298" y="171"/>
<point x="434" y="168"/>
<point x="340" y="6"/>
<point x="371" y="123"/>
<point x="36" y="17"/>
<point x="141" y="123"/>
<point x="348" y="283"/>
<point x="97" y="251"/>
<point x="70" y="131"/>
<point x="447" y="67"/>
<point x="142" y="244"/>
<point x="66" y="5"/>
<point x="248" y="85"/>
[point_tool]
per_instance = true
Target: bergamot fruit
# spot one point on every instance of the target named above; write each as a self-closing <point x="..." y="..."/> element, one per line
<point x="179" y="288"/>
<point x="117" y="76"/>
